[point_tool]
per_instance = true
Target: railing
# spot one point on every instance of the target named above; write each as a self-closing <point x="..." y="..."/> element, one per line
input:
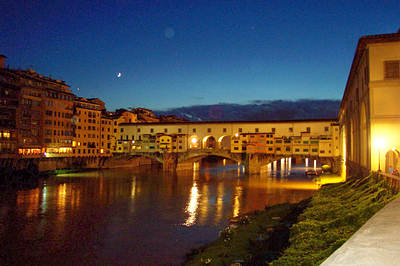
<point x="393" y="180"/>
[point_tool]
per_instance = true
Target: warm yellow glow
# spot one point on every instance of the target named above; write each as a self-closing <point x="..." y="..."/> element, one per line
<point x="191" y="208"/>
<point x="196" y="166"/>
<point x="101" y="151"/>
<point x="220" y="202"/>
<point x="329" y="179"/>
<point x="380" y="143"/>
<point x="133" y="189"/>
<point x="73" y="143"/>
<point x="194" y="140"/>
<point x="236" y="201"/>
<point x="237" y="135"/>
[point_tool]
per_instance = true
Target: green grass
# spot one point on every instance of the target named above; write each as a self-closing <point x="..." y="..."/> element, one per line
<point x="258" y="238"/>
<point x="317" y="227"/>
<point x="335" y="212"/>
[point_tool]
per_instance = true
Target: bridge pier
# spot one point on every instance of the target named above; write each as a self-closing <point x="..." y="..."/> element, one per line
<point x="170" y="161"/>
<point x="256" y="163"/>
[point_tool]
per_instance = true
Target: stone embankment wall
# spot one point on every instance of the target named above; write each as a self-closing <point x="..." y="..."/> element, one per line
<point x="49" y="164"/>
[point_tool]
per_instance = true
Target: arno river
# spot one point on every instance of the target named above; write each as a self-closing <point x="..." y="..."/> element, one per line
<point x="134" y="216"/>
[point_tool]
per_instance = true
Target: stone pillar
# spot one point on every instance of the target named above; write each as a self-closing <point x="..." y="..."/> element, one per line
<point x="170" y="161"/>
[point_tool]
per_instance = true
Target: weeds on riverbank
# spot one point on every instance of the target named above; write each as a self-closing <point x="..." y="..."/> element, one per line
<point x="252" y="239"/>
<point x="335" y="212"/>
<point x="317" y="227"/>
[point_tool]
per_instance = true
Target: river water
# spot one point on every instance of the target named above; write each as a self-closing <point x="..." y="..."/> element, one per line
<point x="134" y="216"/>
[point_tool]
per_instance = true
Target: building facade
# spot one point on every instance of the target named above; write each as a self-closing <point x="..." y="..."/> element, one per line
<point x="369" y="114"/>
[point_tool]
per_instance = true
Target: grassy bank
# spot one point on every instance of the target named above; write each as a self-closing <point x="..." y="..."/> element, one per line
<point x="252" y="239"/>
<point x="316" y="227"/>
<point x="335" y="212"/>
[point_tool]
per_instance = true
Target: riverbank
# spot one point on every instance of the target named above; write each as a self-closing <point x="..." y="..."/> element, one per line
<point x="317" y="227"/>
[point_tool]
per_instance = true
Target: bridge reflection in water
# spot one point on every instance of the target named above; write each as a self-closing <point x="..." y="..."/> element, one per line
<point x="145" y="215"/>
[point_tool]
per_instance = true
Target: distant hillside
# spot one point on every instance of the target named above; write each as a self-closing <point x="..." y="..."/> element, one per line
<point x="258" y="110"/>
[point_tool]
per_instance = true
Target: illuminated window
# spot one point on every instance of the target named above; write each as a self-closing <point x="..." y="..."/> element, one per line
<point x="392" y="69"/>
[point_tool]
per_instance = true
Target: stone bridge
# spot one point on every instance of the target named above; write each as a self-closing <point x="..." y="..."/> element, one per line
<point x="253" y="163"/>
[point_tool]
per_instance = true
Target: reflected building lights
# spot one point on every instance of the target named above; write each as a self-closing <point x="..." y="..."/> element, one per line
<point x="220" y="201"/>
<point x="28" y="201"/>
<point x="315" y="164"/>
<point x="306" y="162"/>
<point x="236" y="201"/>
<point x="43" y="205"/>
<point x="191" y="208"/>
<point x="204" y="203"/>
<point x="133" y="188"/>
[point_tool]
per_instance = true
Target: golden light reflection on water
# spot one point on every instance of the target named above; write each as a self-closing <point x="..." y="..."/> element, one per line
<point x="133" y="187"/>
<point x="192" y="206"/>
<point x="28" y="201"/>
<point x="204" y="202"/>
<point x="219" y="202"/>
<point x="236" y="201"/>
<point x="329" y="179"/>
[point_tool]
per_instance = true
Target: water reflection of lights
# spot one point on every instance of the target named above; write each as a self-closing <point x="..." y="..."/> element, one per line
<point x="329" y="179"/>
<point x="43" y="205"/>
<point x="220" y="201"/>
<point x="196" y="166"/>
<point x="284" y="184"/>
<point x="191" y="208"/>
<point x="306" y="162"/>
<point x="236" y="201"/>
<point x="133" y="189"/>
<point x="28" y="201"/>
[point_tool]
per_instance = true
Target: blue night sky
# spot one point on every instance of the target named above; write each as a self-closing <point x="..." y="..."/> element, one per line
<point x="182" y="53"/>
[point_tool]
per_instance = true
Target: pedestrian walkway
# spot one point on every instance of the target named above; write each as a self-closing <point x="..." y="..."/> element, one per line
<point x="377" y="242"/>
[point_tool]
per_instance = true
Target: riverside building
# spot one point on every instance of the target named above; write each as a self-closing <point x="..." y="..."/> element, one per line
<point x="369" y="113"/>
<point x="36" y="112"/>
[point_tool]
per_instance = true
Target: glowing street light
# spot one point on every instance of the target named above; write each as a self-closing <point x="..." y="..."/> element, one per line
<point x="194" y="140"/>
<point x="380" y="143"/>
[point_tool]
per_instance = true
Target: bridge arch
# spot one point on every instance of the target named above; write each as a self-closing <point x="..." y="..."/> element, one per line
<point x="224" y="142"/>
<point x="209" y="142"/>
<point x="197" y="155"/>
